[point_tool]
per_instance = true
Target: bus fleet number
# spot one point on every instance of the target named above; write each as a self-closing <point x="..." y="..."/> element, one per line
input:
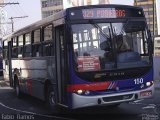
<point x="138" y="81"/>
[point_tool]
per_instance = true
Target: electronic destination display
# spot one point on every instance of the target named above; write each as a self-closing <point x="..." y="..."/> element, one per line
<point x="99" y="13"/>
<point x="103" y="13"/>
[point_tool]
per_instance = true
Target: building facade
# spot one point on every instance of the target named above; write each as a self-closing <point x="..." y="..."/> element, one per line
<point x="158" y="15"/>
<point x="1" y="1"/>
<point x="50" y="7"/>
<point x="149" y="7"/>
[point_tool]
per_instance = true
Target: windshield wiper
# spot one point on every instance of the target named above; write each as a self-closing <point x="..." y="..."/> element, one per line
<point x="100" y="29"/>
<point x="124" y="26"/>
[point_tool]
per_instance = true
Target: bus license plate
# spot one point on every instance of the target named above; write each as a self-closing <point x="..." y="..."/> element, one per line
<point x="146" y="93"/>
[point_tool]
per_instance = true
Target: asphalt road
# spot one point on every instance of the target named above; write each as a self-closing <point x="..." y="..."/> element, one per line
<point x="34" y="109"/>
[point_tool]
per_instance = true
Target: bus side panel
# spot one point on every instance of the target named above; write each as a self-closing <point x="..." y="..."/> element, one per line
<point x="33" y="74"/>
<point x="5" y="70"/>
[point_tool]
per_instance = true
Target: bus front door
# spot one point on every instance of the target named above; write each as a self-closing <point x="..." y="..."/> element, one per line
<point x="60" y="65"/>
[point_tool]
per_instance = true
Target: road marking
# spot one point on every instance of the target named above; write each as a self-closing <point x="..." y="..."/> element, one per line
<point x="136" y="101"/>
<point x="4" y="88"/>
<point x="27" y="112"/>
<point x="150" y="106"/>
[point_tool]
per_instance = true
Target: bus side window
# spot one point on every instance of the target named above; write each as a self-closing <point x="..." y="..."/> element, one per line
<point x="27" y="51"/>
<point x="36" y="50"/>
<point x="48" y="33"/>
<point x="27" y="46"/>
<point x="36" y="45"/>
<point x="14" y="48"/>
<point x="20" y="46"/>
<point x="48" y="41"/>
<point x="5" y="49"/>
<point x="20" y="52"/>
<point x="48" y="49"/>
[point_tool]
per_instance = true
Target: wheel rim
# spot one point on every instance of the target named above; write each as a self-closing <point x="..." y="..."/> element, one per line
<point x="52" y="99"/>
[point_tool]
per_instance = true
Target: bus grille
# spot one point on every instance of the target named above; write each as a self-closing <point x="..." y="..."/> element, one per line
<point x="116" y="98"/>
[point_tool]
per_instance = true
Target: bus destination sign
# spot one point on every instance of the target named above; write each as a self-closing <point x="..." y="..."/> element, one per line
<point x="103" y="13"/>
<point x="100" y="13"/>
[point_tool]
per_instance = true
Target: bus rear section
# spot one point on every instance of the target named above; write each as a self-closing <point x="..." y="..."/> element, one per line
<point x="111" y="56"/>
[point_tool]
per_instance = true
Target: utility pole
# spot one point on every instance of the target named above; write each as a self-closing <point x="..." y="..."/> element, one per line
<point x="13" y="21"/>
<point x="3" y="4"/>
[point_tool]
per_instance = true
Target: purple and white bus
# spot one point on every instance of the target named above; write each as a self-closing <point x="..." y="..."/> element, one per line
<point x="82" y="57"/>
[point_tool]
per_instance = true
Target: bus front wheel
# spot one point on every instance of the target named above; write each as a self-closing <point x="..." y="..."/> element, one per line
<point x="50" y="99"/>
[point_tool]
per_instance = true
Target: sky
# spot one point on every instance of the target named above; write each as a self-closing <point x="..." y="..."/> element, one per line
<point x="32" y="9"/>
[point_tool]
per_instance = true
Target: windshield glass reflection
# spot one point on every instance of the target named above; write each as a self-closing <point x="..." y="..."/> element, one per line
<point x="106" y="46"/>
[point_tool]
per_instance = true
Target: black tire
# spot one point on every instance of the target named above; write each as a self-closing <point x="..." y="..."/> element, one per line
<point x="51" y="100"/>
<point x="17" y="90"/>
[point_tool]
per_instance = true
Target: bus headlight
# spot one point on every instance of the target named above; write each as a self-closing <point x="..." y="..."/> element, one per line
<point x="87" y="92"/>
<point x="79" y="91"/>
<point x="148" y="84"/>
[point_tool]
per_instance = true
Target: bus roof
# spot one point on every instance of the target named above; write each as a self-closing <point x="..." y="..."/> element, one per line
<point x="60" y="15"/>
<point x="105" y="5"/>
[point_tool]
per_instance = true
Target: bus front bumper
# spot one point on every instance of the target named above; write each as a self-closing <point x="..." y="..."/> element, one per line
<point x="80" y="101"/>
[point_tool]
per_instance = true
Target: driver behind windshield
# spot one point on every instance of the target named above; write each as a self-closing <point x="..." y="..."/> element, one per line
<point x="122" y="44"/>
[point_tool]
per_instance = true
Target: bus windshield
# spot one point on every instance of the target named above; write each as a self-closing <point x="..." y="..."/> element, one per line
<point x="107" y="46"/>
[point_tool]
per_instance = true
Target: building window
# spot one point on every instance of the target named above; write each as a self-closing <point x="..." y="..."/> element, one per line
<point x="102" y="2"/>
<point x="47" y="13"/>
<point x="44" y="4"/>
<point x="57" y="2"/>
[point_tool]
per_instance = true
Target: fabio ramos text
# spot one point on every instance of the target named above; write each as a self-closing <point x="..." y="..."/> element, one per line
<point x="17" y="117"/>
